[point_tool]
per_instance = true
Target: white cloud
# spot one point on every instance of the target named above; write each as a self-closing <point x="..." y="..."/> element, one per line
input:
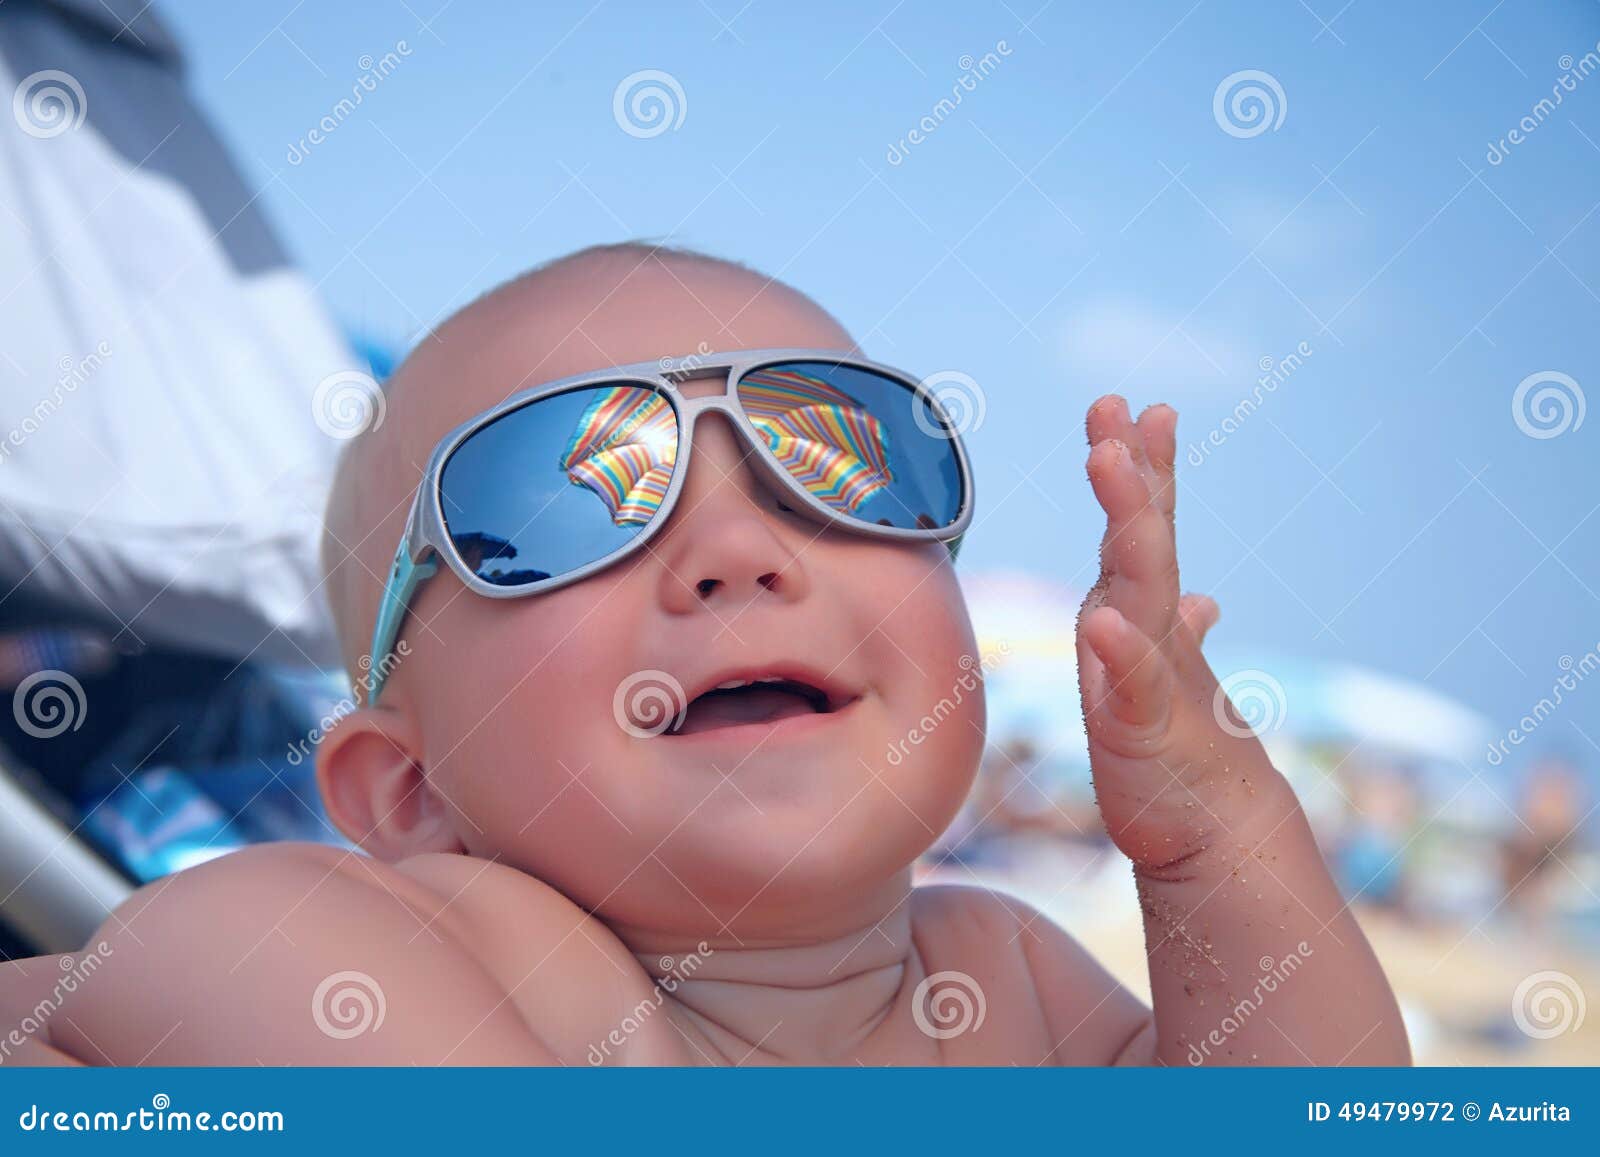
<point x="1310" y="232"/>
<point x="1121" y="344"/>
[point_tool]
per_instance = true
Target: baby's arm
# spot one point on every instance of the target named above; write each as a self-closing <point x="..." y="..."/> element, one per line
<point x="27" y="990"/>
<point x="1254" y="956"/>
<point x="283" y="954"/>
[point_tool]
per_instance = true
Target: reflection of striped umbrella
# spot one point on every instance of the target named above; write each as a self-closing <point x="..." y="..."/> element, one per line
<point x="836" y="450"/>
<point x="624" y="449"/>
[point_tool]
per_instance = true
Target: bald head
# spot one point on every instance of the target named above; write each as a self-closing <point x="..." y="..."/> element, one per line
<point x="608" y="305"/>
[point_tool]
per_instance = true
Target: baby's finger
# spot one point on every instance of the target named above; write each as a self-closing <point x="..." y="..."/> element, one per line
<point x="1137" y="555"/>
<point x="1091" y="672"/>
<point x="1158" y="426"/>
<point x="1108" y="418"/>
<point x="1137" y="687"/>
<point x="1118" y="485"/>
<point x="1158" y="430"/>
<point x="1199" y="613"/>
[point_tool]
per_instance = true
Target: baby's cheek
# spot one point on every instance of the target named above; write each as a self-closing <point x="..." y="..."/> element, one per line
<point x="932" y="758"/>
<point x="519" y="715"/>
<point x="933" y="698"/>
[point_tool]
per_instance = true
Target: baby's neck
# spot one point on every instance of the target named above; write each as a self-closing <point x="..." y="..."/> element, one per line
<point x="801" y="999"/>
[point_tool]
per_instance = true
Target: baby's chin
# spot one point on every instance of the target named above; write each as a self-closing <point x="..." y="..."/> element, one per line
<point x="730" y="870"/>
<point x="797" y="856"/>
<point x="812" y="816"/>
<point x="732" y="830"/>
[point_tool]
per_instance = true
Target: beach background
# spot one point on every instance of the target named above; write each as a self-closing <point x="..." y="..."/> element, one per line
<point x="1355" y="244"/>
<point x="1477" y="883"/>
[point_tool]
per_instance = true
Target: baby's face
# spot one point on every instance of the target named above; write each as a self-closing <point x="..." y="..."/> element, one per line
<point x="765" y="801"/>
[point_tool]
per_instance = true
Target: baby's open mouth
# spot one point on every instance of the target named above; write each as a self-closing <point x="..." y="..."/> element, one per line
<point x="760" y="699"/>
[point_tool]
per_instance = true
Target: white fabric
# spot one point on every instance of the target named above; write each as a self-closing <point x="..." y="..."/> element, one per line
<point x="161" y="466"/>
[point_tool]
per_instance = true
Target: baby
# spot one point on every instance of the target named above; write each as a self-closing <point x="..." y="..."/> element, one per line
<point x="619" y="766"/>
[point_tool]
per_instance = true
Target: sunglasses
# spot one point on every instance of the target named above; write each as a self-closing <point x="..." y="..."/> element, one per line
<point x="565" y="479"/>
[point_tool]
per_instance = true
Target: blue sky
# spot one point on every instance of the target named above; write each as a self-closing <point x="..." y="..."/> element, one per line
<point x="1081" y="222"/>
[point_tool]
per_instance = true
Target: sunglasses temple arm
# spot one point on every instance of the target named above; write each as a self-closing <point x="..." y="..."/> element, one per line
<point x="405" y="576"/>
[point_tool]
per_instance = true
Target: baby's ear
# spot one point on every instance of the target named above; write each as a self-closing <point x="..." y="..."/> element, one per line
<point x="370" y="773"/>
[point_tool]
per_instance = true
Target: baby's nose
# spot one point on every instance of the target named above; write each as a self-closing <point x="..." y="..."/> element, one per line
<point x="725" y="542"/>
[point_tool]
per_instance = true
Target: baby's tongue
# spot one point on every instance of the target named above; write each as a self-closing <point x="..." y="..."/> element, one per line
<point x="749" y="705"/>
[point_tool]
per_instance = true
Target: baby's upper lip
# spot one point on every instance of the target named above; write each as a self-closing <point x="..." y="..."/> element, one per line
<point x="837" y="692"/>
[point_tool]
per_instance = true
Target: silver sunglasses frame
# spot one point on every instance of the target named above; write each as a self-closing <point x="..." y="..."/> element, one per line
<point x="426" y="530"/>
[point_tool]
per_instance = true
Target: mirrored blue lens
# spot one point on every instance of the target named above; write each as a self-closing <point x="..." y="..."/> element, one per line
<point x="871" y="447"/>
<point x="559" y="483"/>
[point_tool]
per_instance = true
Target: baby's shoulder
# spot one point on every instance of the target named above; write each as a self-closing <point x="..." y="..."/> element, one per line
<point x="1004" y="947"/>
<point x="974" y="932"/>
<point x="301" y="953"/>
<point x="563" y="972"/>
<point x="964" y="902"/>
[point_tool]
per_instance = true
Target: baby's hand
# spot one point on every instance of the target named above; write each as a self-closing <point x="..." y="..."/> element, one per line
<point x="1228" y="870"/>
<point x="1168" y="775"/>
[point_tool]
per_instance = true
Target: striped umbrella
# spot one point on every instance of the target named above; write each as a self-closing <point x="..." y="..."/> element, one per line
<point x="832" y="446"/>
<point x="624" y="448"/>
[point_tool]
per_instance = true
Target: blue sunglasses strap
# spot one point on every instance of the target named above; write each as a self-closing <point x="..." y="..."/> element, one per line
<point x="404" y="579"/>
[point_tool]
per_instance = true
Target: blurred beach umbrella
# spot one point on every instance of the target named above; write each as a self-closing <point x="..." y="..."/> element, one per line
<point x="1026" y="626"/>
<point x="1026" y="629"/>
<point x="1327" y="702"/>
